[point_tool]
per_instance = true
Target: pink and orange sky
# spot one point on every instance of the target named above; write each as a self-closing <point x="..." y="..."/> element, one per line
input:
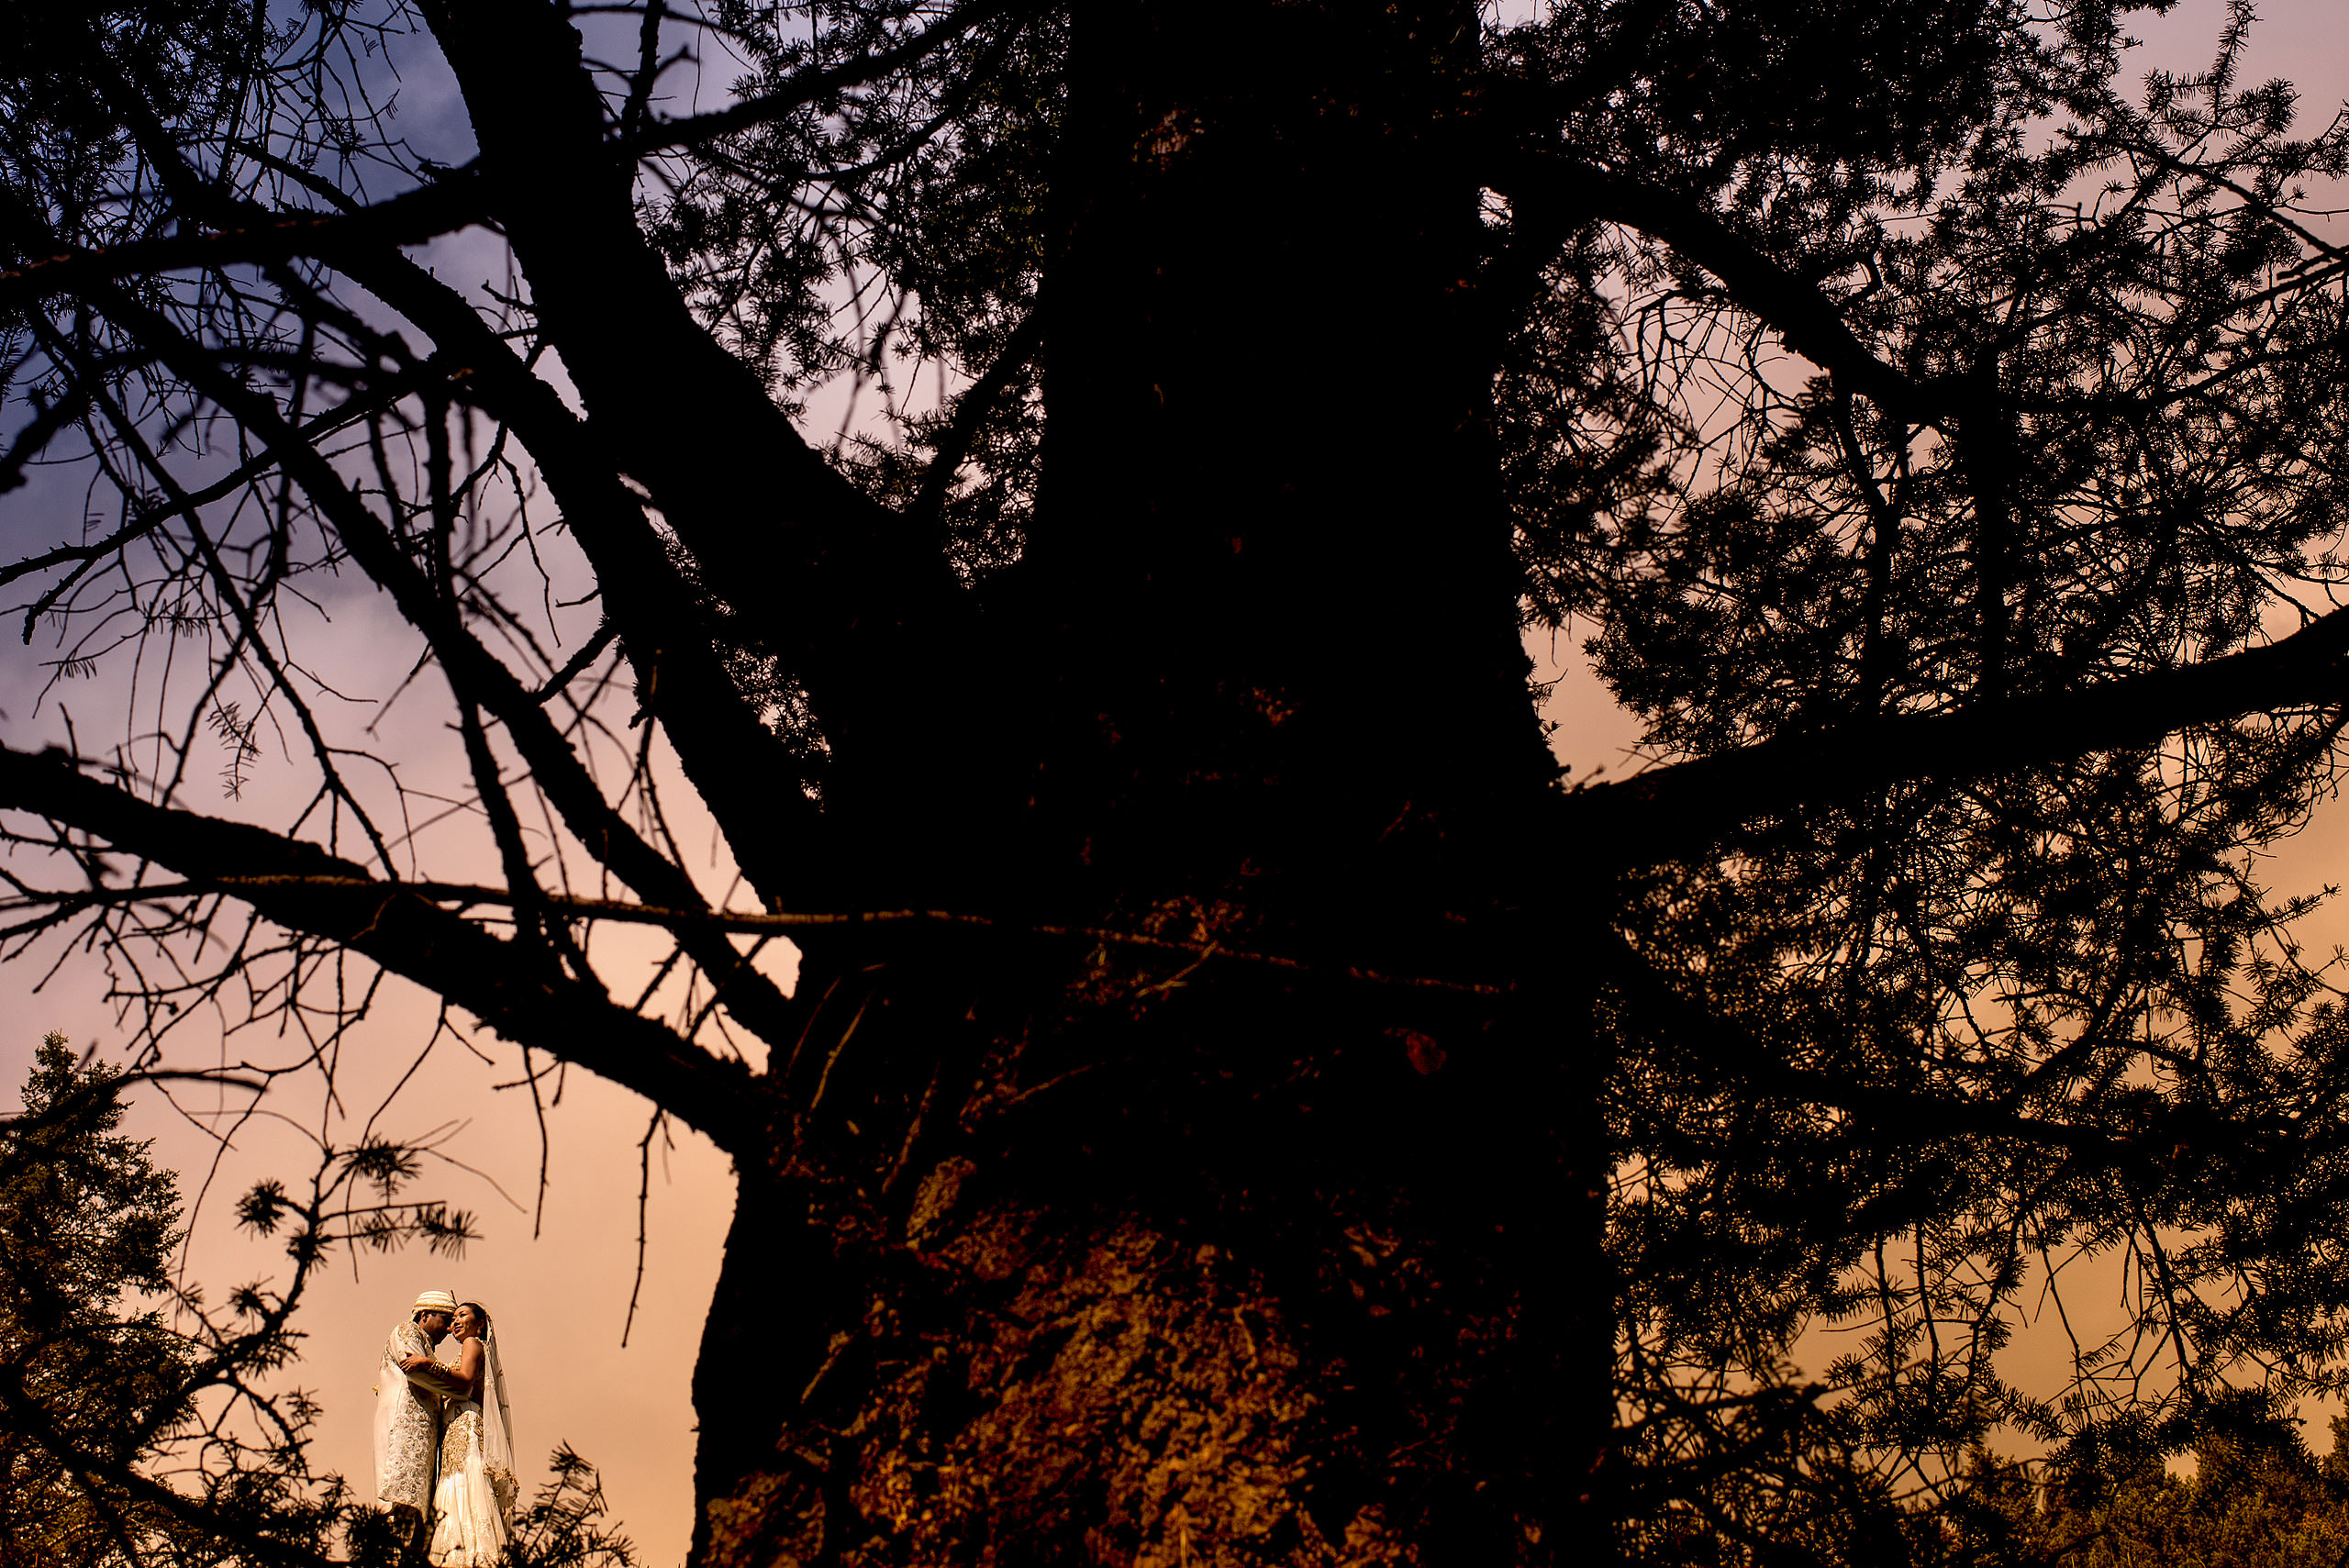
<point x="561" y="1295"/>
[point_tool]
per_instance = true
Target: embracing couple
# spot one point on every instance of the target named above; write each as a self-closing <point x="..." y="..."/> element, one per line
<point x="444" y="1438"/>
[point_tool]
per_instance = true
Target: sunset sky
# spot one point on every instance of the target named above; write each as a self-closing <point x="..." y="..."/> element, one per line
<point x="560" y="1298"/>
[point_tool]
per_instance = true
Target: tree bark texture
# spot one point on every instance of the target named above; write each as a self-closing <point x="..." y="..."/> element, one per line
<point x="1065" y="1256"/>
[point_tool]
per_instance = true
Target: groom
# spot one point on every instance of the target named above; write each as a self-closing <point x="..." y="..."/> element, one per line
<point x="407" y="1413"/>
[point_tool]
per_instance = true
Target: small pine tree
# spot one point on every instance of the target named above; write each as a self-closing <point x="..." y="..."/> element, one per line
<point x="86" y="1220"/>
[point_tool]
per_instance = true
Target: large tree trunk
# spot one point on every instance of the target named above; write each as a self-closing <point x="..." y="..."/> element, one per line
<point x="1083" y="1254"/>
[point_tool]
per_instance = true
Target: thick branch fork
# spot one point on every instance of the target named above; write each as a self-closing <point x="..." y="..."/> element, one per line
<point x="1805" y="316"/>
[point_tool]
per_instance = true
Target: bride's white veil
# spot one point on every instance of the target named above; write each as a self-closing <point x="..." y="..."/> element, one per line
<point x="497" y="1415"/>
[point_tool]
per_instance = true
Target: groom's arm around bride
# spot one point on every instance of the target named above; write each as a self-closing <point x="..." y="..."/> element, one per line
<point x="436" y="1378"/>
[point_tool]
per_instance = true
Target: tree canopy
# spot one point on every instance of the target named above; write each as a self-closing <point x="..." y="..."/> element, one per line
<point x="1064" y="488"/>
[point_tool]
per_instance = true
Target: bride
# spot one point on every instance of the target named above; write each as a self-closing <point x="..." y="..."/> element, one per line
<point x="475" y="1497"/>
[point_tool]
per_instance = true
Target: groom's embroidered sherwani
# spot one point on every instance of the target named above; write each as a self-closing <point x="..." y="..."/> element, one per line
<point x="407" y="1421"/>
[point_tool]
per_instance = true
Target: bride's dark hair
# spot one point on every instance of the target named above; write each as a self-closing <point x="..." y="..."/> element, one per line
<point x="481" y="1317"/>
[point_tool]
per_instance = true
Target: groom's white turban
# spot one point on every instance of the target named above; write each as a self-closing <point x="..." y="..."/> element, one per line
<point x="434" y="1301"/>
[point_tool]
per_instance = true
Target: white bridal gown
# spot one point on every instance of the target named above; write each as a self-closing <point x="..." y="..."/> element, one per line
<point x="473" y="1504"/>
